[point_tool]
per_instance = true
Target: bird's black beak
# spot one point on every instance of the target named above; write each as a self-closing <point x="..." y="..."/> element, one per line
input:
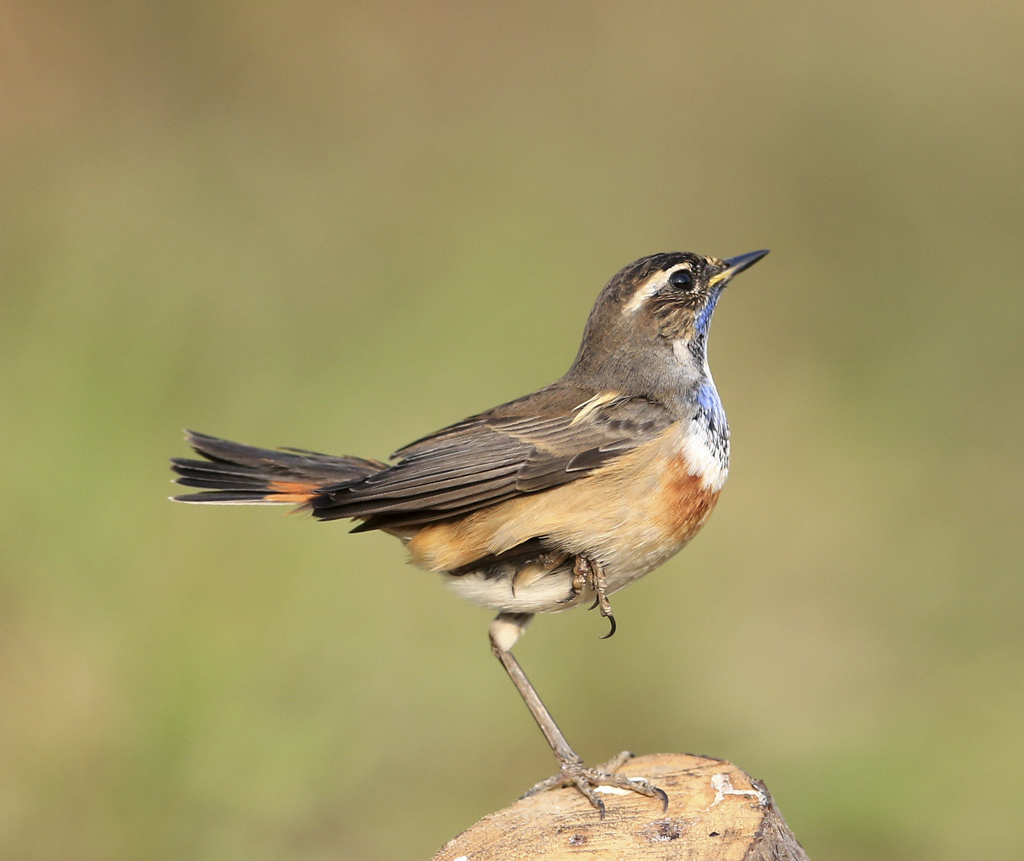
<point x="735" y="265"/>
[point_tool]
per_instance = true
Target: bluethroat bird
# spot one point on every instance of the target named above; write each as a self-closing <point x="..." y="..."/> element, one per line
<point x="561" y="497"/>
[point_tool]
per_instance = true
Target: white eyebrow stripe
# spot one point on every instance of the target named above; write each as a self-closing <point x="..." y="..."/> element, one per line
<point x="643" y="293"/>
<point x="651" y="286"/>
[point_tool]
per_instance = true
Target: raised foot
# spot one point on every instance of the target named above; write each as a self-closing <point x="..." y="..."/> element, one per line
<point x="586" y="780"/>
<point x="586" y="572"/>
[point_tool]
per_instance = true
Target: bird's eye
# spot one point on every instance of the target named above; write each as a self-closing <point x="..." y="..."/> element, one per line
<point x="681" y="279"/>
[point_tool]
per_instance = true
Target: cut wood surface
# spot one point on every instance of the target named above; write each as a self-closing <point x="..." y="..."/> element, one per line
<point x="716" y="812"/>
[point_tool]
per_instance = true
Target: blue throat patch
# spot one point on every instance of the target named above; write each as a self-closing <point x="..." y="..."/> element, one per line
<point x="711" y="414"/>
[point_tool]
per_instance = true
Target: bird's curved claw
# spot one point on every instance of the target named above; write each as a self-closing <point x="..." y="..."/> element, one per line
<point x="611" y="619"/>
<point x="663" y="796"/>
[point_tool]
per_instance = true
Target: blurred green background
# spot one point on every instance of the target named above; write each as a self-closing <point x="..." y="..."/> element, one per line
<point x="342" y="225"/>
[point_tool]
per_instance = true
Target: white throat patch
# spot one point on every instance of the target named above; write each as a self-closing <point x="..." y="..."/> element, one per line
<point x="706" y="455"/>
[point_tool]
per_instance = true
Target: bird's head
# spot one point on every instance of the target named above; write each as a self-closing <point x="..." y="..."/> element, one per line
<point x="649" y="327"/>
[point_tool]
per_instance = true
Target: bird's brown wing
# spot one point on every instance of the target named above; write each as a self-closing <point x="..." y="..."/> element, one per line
<point x="551" y="437"/>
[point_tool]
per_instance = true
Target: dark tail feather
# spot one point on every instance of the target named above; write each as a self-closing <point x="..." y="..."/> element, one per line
<point x="236" y="473"/>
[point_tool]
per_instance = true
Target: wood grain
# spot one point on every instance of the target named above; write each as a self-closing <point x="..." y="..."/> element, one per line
<point x="716" y="812"/>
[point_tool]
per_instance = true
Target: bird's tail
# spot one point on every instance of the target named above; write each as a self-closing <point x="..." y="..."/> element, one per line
<point x="233" y="473"/>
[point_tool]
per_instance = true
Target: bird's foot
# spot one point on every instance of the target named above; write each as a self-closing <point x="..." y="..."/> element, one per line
<point x="590" y="574"/>
<point x="587" y="781"/>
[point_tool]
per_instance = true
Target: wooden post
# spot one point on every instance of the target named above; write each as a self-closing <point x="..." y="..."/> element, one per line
<point x="716" y="812"/>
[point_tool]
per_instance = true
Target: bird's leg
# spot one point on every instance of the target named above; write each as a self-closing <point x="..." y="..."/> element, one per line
<point x="592" y="574"/>
<point x="505" y="630"/>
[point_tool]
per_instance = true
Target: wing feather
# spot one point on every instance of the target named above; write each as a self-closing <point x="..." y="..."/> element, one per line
<point x="554" y="436"/>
